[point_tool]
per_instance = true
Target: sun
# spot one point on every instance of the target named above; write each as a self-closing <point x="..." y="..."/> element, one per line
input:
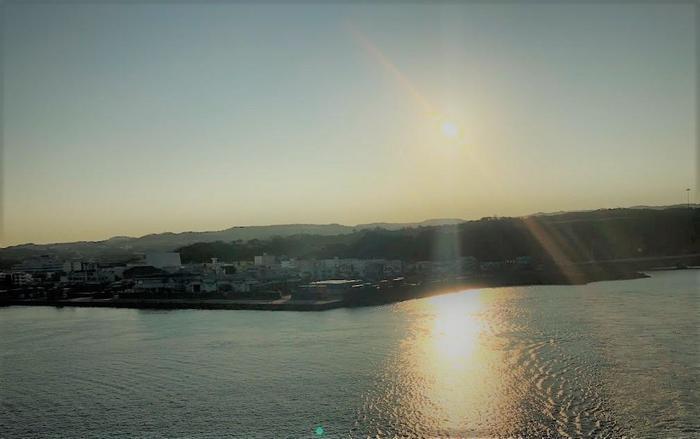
<point x="449" y="129"/>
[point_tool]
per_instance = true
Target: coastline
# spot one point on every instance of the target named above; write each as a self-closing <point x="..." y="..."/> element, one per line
<point x="376" y="298"/>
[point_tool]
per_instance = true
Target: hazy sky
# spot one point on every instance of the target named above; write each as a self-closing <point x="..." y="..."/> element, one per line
<point x="133" y="119"/>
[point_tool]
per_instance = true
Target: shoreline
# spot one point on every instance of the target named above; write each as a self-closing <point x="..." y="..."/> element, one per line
<point x="378" y="298"/>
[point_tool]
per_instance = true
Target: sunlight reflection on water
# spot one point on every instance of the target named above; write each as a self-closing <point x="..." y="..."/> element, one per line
<point x="445" y="375"/>
<point x="449" y="357"/>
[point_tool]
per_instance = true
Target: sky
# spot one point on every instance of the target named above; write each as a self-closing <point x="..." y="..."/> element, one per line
<point x="128" y="119"/>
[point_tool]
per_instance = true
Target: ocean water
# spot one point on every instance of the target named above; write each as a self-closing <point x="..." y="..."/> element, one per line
<point x="609" y="359"/>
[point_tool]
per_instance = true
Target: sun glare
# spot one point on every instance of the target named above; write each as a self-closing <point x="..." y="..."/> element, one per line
<point x="449" y="129"/>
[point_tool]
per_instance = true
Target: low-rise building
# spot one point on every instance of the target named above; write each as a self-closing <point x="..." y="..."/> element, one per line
<point x="265" y="260"/>
<point x="164" y="283"/>
<point x="20" y="278"/>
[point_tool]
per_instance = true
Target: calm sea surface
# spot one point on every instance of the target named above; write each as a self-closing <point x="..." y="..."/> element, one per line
<point x="608" y="359"/>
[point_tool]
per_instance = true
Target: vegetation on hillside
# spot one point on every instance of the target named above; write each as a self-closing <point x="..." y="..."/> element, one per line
<point x="569" y="237"/>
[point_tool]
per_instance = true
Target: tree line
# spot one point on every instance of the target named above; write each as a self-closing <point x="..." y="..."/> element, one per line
<point x="568" y="237"/>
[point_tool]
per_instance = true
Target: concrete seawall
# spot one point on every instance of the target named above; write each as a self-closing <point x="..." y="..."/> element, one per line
<point x="187" y="304"/>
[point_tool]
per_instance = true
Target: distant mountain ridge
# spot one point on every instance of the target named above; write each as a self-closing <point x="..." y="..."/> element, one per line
<point x="638" y="207"/>
<point x="118" y="246"/>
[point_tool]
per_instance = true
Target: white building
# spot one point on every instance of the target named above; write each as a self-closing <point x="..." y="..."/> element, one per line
<point x="266" y="260"/>
<point x="70" y="266"/>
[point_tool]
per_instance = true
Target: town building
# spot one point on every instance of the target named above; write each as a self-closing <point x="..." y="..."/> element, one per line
<point x="265" y="260"/>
